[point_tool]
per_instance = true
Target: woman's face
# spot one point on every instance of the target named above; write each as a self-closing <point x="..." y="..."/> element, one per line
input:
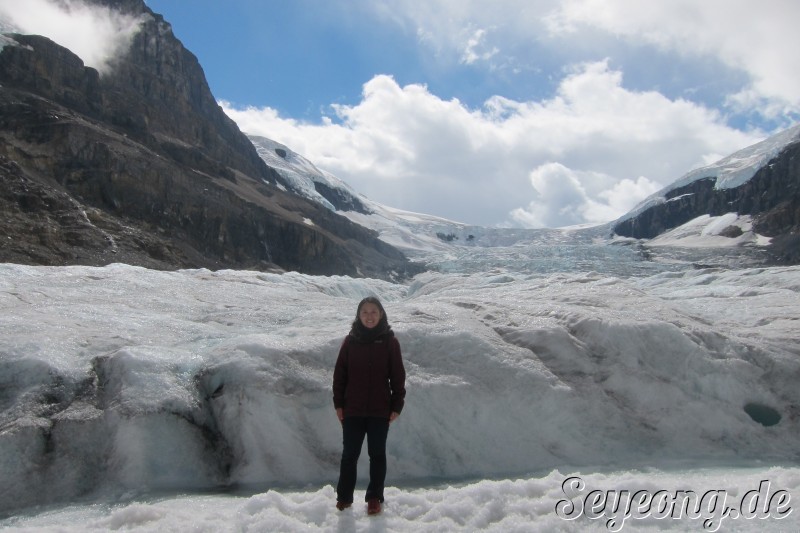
<point x="369" y="315"/>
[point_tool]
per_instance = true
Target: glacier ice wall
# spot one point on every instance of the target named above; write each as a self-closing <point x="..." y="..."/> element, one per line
<point x="122" y="379"/>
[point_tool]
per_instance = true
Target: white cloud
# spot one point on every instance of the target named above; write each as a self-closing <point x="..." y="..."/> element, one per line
<point x="562" y="196"/>
<point x="467" y="31"/>
<point x="760" y="39"/>
<point x="476" y="48"/>
<point x="96" y="34"/>
<point x="612" y="145"/>
<point x="586" y="155"/>
<point x="626" y="193"/>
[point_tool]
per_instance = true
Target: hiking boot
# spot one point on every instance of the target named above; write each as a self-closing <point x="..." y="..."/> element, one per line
<point x="373" y="506"/>
<point x="343" y="505"/>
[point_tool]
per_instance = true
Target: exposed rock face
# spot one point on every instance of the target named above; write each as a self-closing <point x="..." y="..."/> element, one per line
<point x="140" y="165"/>
<point x="771" y="196"/>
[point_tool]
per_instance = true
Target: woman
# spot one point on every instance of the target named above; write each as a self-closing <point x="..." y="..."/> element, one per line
<point x="368" y="394"/>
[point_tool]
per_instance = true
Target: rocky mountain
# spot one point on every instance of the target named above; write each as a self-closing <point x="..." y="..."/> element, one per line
<point x="140" y="165"/>
<point x="762" y="181"/>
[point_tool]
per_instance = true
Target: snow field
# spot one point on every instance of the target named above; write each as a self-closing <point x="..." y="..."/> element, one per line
<point x="510" y="505"/>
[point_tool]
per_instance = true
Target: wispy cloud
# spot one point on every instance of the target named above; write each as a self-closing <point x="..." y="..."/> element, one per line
<point x="588" y="154"/>
<point x="757" y="39"/>
<point x="469" y="31"/>
<point x="476" y="48"/>
<point x="760" y="39"/>
<point x="95" y="33"/>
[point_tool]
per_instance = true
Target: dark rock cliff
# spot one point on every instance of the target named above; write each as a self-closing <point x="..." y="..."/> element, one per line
<point x="140" y="165"/>
<point x="771" y="196"/>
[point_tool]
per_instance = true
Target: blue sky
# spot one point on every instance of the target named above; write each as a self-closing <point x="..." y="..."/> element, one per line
<point x="301" y="56"/>
<point x="511" y="112"/>
<point x="296" y="56"/>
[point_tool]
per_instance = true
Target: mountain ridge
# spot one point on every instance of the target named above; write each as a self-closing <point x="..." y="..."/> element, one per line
<point x="761" y="181"/>
<point x="141" y="165"/>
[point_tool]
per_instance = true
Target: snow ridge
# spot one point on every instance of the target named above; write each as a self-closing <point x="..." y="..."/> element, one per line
<point x="730" y="172"/>
<point x="298" y="171"/>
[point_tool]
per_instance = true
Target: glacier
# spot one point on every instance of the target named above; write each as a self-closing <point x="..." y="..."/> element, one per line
<point x="150" y="400"/>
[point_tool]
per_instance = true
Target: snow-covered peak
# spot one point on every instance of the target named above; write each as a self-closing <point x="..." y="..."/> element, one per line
<point x="402" y="229"/>
<point x="300" y="173"/>
<point x="731" y="171"/>
<point x="739" y="167"/>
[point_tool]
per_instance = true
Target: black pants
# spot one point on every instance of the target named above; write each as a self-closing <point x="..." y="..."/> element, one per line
<point x="354" y="428"/>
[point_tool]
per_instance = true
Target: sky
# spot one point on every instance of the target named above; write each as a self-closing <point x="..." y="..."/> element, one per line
<point x="524" y="113"/>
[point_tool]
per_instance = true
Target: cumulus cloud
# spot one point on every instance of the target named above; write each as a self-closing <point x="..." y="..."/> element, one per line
<point x="96" y="34"/>
<point x="588" y="154"/>
<point x="560" y="195"/>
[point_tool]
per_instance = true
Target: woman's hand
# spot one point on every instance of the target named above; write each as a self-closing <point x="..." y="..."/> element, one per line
<point x="340" y="414"/>
<point x="393" y="417"/>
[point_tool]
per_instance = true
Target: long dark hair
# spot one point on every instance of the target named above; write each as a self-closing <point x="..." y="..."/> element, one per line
<point x="362" y="333"/>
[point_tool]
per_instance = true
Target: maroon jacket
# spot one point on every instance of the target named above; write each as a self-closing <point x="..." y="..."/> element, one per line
<point x="369" y="378"/>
